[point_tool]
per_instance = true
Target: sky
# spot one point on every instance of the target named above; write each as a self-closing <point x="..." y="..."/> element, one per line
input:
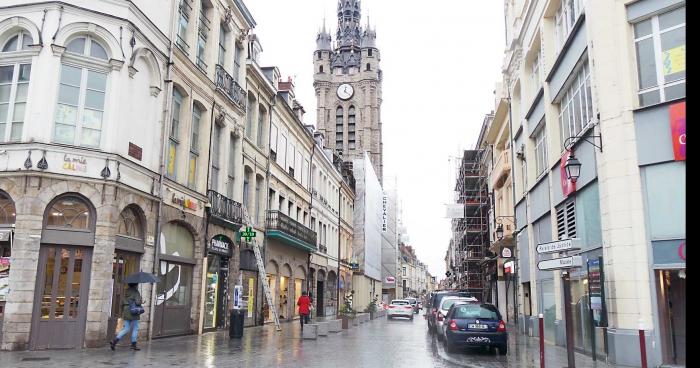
<point x="441" y="60"/>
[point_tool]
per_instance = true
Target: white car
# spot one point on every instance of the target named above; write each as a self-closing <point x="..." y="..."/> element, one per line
<point x="400" y="308"/>
<point x="444" y="307"/>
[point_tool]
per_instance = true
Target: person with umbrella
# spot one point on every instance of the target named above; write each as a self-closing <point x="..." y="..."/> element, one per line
<point x="132" y="309"/>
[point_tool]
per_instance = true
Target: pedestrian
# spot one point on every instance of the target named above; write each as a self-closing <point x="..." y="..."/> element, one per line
<point x="304" y="303"/>
<point x="131" y="313"/>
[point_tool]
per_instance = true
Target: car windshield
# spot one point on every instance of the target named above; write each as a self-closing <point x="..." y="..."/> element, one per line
<point x="399" y="302"/>
<point x="468" y="311"/>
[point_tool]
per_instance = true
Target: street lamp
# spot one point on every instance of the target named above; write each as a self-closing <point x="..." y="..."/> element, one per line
<point x="573" y="167"/>
<point x="499" y="223"/>
<point x="499" y="231"/>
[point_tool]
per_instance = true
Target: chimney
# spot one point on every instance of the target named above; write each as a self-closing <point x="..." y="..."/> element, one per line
<point x="287" y="86"/>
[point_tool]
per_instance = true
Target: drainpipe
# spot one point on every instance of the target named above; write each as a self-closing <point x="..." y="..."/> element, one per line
<point x="311" y="208"/>
<point x="166" y="131"/>
<point x="267" y="195"/>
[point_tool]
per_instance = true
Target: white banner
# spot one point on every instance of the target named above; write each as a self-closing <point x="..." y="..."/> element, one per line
<point x="454" y="210"/>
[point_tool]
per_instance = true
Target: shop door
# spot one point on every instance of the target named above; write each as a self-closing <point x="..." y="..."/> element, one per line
<point x="250" y="281"/>
<point x="672" y="315"/>
<point x="216" y="292"/>
<point x="319" y="299"/>
<point x="63" y="277"/>
<point x="173" y="300"/>
<point x="124" y="264"/>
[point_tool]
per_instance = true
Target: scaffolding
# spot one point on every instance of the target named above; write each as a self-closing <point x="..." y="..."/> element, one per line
<point x="471" y="233"/>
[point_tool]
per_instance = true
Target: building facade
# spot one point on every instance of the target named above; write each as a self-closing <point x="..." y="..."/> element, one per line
<point x="602" y="82"/>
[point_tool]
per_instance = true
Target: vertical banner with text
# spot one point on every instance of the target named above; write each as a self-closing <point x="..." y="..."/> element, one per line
<point x="677" y="112"/>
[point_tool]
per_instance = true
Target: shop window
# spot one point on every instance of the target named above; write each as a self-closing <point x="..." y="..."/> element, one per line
<point x="178" y="241"/>
<point x="69" y="212"/>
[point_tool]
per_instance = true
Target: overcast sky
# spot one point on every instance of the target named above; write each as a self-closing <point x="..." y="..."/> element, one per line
<point x="440" y="59"/>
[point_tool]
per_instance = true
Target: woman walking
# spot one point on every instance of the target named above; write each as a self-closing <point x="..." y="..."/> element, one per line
<point x="131" y="313"/>
<point x="304" y="303"/>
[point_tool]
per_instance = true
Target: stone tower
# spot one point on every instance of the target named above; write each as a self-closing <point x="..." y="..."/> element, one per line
<point x="348" y="84"/>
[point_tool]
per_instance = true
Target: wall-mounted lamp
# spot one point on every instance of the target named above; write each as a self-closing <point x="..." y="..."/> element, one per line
<point x="573" y="165"/>
<point x="499" y="223"/>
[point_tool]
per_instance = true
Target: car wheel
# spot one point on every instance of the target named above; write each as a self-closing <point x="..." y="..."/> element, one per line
<point x="503" y="350"/>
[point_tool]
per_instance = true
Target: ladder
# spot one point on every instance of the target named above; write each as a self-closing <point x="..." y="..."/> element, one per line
<point x="266" y="287"/>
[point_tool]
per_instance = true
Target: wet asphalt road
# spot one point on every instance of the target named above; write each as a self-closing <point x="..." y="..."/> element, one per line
<point x="378" y="343"/>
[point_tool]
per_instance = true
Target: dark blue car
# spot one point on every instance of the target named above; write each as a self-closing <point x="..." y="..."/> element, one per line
<point x="474" y="324"/>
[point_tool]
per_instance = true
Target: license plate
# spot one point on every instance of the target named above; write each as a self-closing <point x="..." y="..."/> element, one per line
<point x="478" y="327"/>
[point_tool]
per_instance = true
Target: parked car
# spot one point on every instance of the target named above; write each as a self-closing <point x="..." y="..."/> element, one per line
<point x="400" y="308"/>
<point x="444" y="307"/>
<point x="435" y="303"/>
<point x="414" y="303"/>
<point x="474" y="324"/>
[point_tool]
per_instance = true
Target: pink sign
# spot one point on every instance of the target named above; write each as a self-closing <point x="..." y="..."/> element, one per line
<point x="677" y="112"/>
<point x="567" y="186"/>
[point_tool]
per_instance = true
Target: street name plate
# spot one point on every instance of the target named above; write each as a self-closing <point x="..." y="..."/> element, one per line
<point x="559" y="246"/>
<point x="560" y="263"/>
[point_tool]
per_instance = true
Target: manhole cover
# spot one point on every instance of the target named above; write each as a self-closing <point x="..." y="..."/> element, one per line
<point x="38" y="359"/>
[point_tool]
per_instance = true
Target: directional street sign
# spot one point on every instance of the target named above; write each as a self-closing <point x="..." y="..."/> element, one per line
<point x="559" y="246"/>
<point x="560" y="263"/>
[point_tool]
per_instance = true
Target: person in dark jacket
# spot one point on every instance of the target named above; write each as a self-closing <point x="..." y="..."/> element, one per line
<point x="304" y="303"/>
<point x="131" y="321"/>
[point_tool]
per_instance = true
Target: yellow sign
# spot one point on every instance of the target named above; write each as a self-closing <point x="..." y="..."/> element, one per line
<point x="251" y="293"/>
<point x="674" y="60"/>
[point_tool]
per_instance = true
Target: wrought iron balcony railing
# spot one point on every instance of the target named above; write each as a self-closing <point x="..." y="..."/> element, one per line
<point x="225" y="209"/>
<point x="279" y="225"/>
<point x="228" y="85"/>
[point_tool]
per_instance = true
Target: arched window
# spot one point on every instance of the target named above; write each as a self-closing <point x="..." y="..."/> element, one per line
<point x="7" y="209"/>
<point x="87" y="46"/>
<point x="368" y="67"/>
<point x="351" y="127"/>
<point x="320" y="69"/>
<point x="174" y="140"/>
<point x="339" y="127"/>
<point x="130" y="224"/>
<point x="69" y="212"/>
<point x="20" y="41"/>
<point x="178" y="241"/>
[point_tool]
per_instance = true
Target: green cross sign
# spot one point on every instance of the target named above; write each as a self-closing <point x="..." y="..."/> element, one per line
<point x="248" y="234"/>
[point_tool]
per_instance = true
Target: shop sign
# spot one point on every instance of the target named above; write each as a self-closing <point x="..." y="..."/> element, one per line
<point x="677" y="112"/>
<point x="389" y="280"/>
<point x="135" y="151"/>
<point x="384" y="215"/>
<point x="567" y="185"/>
<point x="5" y="235"/>
<point x="559" y="246"/>
<point x="506" y="252"/>
<point x="188" y="203"/>
<point x="509" y="267"/>
<point x="560" y="263"/>
<point x="74" y="163"/>
<point x="220" y="245"/>
<point x="596" y="292"/>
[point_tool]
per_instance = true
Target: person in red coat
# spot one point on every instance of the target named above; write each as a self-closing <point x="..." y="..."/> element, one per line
<point x="304" y="304"/>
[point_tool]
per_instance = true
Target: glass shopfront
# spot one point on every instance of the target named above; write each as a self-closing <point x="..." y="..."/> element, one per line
<point x="249" y="269"/>
<point x="7" y="224"/>
<point x="216" y="284"/>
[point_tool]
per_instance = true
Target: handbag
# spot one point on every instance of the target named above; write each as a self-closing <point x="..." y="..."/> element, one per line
<point x="135" y="309"/>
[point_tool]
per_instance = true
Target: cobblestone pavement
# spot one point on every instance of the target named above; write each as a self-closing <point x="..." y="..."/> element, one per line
<point x="378" y="343"/>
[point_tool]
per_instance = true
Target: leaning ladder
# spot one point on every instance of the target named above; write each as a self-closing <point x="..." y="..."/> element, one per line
<point x="266" y="287"/>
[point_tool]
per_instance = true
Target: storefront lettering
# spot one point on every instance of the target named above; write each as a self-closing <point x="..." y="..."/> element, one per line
<point x="185" y="202"/>
<point x="677" y="112"/>
<point x="681" y="251"/>
<point x="74" y="163"/>
<point x="220" y="245"/>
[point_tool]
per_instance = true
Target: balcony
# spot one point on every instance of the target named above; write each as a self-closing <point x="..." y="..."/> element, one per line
<point x="501" y="170"/>
<point x="224" y="211"/>
<point x="229" y="87"/>
<point x="283" y="227"/>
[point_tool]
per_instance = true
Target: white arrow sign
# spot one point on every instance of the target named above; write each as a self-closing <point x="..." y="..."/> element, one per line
<point x="560" y="263"/>
<point x="559" y="246"/>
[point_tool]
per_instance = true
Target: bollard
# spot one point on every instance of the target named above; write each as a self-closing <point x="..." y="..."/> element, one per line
<point x="642" y="344"/>
<point x="541" y="325"/>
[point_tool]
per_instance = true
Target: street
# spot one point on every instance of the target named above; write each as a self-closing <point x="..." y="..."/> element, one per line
<point x="378" y="343"/>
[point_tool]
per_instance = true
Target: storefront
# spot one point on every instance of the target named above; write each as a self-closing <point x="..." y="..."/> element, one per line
<point x="249" y="271"/>
<point x="299" y="286"/>
<point x="128" y="249"/>
<point x="272" y="272"/>
<point x="220" y="249"/>
<point x="174" y="291"/>
<point x="63" y="274"/>
<point x="7" y="224"/>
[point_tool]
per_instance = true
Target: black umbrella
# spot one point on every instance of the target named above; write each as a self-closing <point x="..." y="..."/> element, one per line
<point x="141" y="278"/>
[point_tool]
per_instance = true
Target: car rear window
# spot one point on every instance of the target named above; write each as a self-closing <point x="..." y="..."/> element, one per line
<point x="438" y="297"/>
<point x="448" y="303"/>
<point x="399" y="302"/>
<point x="475" y="311"/>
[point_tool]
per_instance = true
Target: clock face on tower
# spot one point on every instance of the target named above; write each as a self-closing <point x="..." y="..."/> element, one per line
<point x="345" y="91"/>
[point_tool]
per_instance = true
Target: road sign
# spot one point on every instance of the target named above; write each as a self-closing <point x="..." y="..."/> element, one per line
<point x="559" y="246"/>
<point x="506" y="252"/>
<point x="560" y="263"/>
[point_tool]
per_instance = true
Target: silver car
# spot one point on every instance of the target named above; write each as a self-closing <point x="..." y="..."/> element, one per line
<point x="444" y="307"/>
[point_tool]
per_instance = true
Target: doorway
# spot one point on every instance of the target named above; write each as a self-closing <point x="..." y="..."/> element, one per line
<point x="173" y="300"/>
<point x="124" y="264"/>
<point x="670" y="287"/>
<point x="62" y="284"/>
<point x="319" y="299"/>
<point x="216" y="292"/>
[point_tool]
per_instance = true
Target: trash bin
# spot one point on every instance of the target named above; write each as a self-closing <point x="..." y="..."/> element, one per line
<point x="236" y="327"/>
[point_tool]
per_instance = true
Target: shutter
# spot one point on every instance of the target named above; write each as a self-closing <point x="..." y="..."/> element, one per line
<point x="571" y="219"/>
<point x="561" y="223"/>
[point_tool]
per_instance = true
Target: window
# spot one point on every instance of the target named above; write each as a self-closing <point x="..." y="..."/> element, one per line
<point x="18" y="42"/>
<point x="523" y="173"/>
<point x="237" y="62"/>
<point x="564" y="21"/>
<point x="194" y="147"/>
<point x="536" y="75"/>
<point x="566" y="220"/>
<point x="369" y="52"/>
<point x="368" y="67"/>
<point x="251" y="111"/>
<point x="258" y="188"/>
<point x="404" y="273"/>
<point x="246" y="188"/>
<point x="174" y="140"/>
<point x="320" y="69"/>
<point x="222" y="44"/>
<point x="14" y="84"/>
<point x="184" y="10"/>
<point x="577" y="105"/>
<point x="351" y="127"/>
<point x="541" y="149"/>
<point x="660" y="47"/>
<point x="261" y="124"/>
<point x="202" y="35"/>
<point x="80" y="106"/>
<point x="339" y="127"/>
<point x="215" y="158"/>
<point x="69" y="212"/>
<point x="231" y="166"/>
